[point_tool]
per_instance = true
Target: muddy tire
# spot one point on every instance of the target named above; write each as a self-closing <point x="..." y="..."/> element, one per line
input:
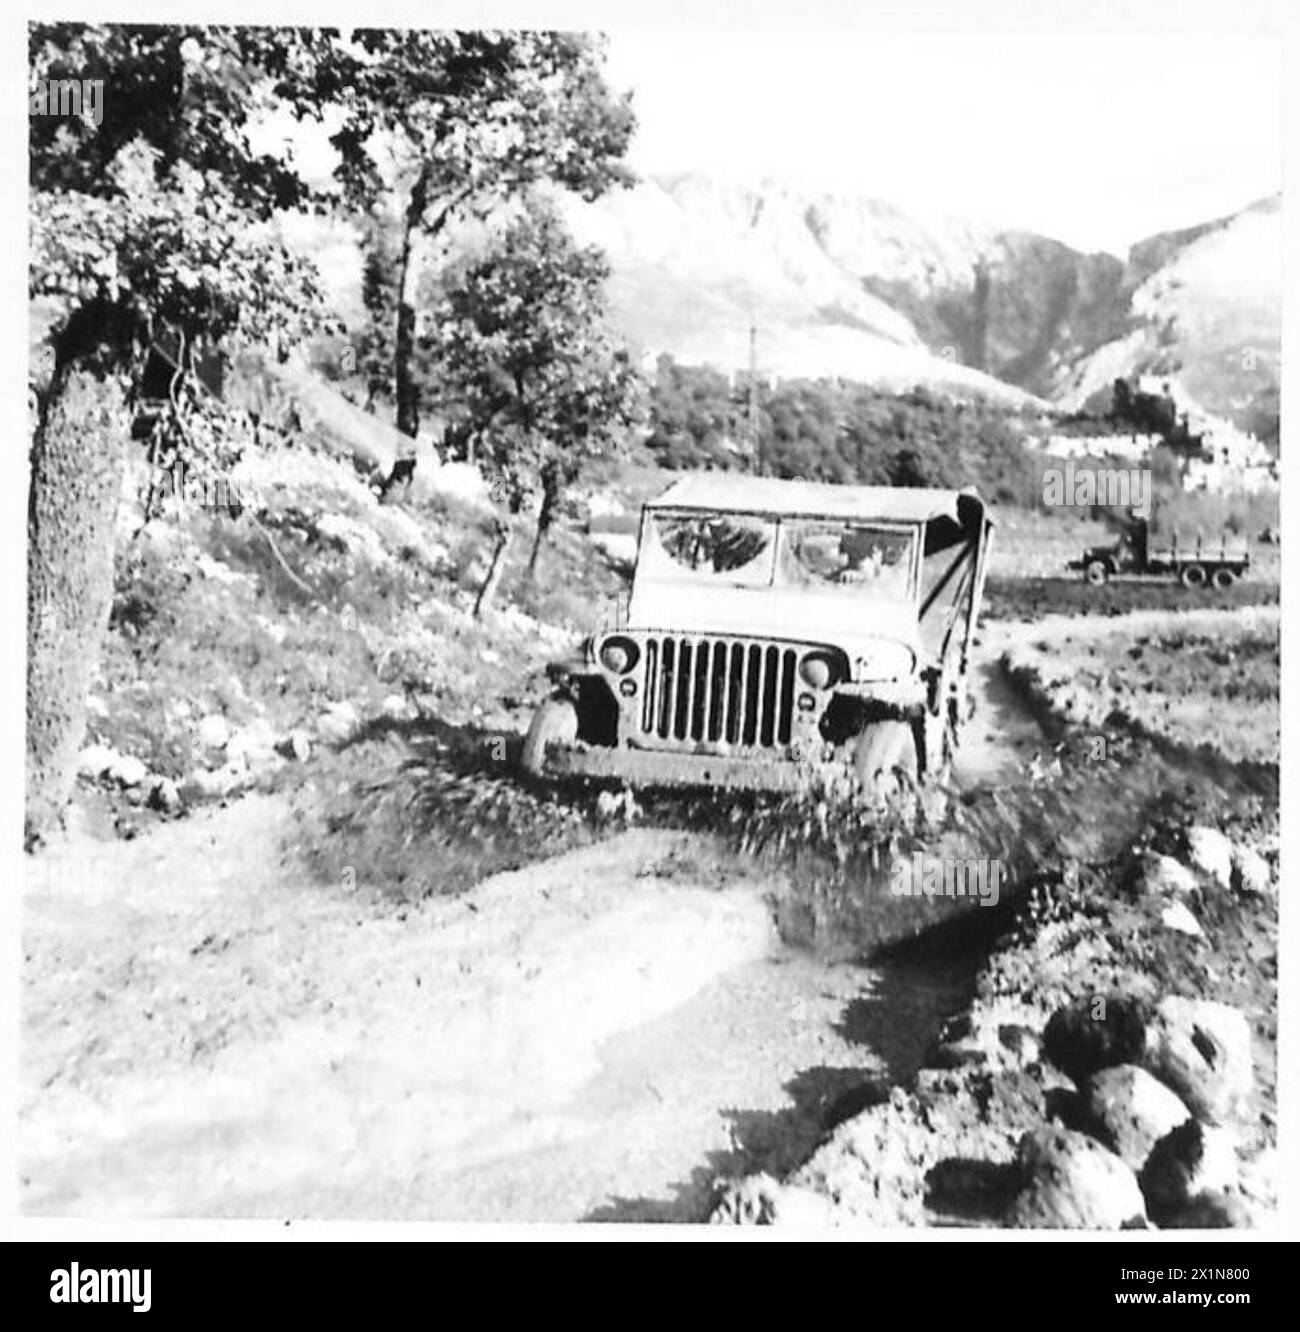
<point x="1096" y="573"/>
<point x="1224" y="578"/>
<point x="555" y="722"/>
<point x="1193" y="575"/>
<point x="885" y="759"/>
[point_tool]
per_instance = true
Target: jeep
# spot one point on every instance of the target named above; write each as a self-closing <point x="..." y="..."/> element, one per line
<point x="777" y="634"/>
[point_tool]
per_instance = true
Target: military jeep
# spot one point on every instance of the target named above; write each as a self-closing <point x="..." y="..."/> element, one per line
<point x="778" y="634"/>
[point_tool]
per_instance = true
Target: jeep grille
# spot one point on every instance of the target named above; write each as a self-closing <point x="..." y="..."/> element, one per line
<point x="718" y="689"/>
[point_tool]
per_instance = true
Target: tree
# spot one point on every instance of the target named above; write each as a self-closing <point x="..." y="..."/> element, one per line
<point x="153" y="223"/>
<point x="441" y="121"/>
<point x="519" y="343"/>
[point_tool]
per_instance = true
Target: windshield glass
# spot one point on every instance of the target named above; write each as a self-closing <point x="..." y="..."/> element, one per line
<point x="728" y="548"/>
<point x="829" y="554"/>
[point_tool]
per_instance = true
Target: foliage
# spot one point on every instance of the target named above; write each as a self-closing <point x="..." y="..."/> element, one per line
<point x="825" y="430"/>
<point x="519" y="341"/>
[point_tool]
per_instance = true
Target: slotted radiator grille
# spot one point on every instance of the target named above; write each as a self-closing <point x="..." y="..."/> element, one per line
<point x="718" y="689"/>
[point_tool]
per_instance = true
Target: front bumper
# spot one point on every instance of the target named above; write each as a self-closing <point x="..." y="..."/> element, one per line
<point x="651" y="767"/>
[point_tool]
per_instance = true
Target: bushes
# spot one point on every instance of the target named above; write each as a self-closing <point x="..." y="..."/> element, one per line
<point x="823" y="430"/>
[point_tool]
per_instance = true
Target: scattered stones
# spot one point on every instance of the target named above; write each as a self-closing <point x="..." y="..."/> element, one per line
<point x="253" y="745"/>
<point x="1209" y="850"/>
<point x="759" y="1200"/>
<point x="1070" y="1181"/>
<point x="337" y="723"/>
<point x="1176" y="916"/>
<point x="1132" y="1111"/>
<point x="1166" y="877"/>
<point x="127" y="770"/>
<point x="1202" y="1050"/>
<point x="213" y="731"/>
<point x="95" y="760"/>
<point x="1250" y="870"/>
<point x="1189" y="1164"/>
<point x="617" y="805"/>
<point x="1097" y="1031"/>
<point x="165" y="796"/>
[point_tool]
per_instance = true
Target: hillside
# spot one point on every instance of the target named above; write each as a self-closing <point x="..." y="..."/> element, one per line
<point x="848" y="286"/>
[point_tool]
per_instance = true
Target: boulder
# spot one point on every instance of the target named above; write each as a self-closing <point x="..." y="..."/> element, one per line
<point x="1166" y="877"/>
<point x="1131" y="1111"/>
<point x="337" y="723"/>
<point x="760" y="1200"/>
<point x="95" y="760"/>
<point x="1176" y="916"/>
<point x="1209" y="850"/>
<point x="1250" y="870"/>
<point x="1070" y="1181"/>
<point x="1202" y="1050"/>
<point x="213" y="731"/>
<point x="127" y="770"/>
<point x="1187" y="1168"/>
<point x="1097" y="1031"/>
<point x="252" y="746"/>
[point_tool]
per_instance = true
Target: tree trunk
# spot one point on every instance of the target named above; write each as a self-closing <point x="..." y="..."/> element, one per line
<point x="77" y="461"/>
<point x="497" y="567"/>
<point x="405" y="389"/>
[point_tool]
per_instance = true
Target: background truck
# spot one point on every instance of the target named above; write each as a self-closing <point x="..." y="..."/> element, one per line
<point x="1195" y="564"/>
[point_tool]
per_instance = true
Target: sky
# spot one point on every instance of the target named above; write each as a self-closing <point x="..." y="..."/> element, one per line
<point x="1095" y="141"/>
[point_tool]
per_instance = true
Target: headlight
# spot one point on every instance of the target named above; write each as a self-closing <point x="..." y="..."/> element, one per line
<point x="818" y="670"/>
<point x="619" y="655"/>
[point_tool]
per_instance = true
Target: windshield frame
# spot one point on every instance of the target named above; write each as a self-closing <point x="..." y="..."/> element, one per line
<point x="782" y="523"/>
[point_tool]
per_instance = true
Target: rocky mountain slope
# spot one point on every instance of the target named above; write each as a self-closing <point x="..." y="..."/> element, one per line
<point x="854" y="287"/>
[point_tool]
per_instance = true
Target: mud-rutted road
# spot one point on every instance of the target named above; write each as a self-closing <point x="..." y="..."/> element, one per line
<point x="598" y="1036"/>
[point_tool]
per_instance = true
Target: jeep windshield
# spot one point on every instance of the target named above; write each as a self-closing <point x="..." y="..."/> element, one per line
<point x="742" y="550"/>
<point x="712" y="548"/>
<point x="829" y="554"/>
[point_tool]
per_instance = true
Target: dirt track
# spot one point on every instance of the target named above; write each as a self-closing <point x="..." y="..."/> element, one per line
<point x="599" y="1035"/>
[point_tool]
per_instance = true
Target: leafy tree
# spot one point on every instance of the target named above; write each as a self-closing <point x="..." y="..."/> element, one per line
<point x="152" y="226"/>
<point x="437" y="122"/>
<point x="519" y="342"/>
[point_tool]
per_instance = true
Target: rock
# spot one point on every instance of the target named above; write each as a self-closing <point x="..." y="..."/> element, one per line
<point x="1190" y="1162"/>
<point x="761" y="1201"/>
<point x="617" y="805"/>
<point x="95" y="760"/>
<point x="1209" y="850"/>
<point x="1250" y="870"/>
<point x="165" y="796"/>
<point x="1176" y="916"/>
<point x="1202" y="1050"/>
<point x="253" y="745"/>
<point x="1132" y="1111"/>
<point x="213" y="731"/>
<point x="212" y="785"/>
<point x="394" y="706"/>
<point x="1070" y="1181"/>
<point x="127" y="771"/>
<point x="1167" y="877"/>
<point x="337" y="723"/>
<point x="1097" y="1031"/>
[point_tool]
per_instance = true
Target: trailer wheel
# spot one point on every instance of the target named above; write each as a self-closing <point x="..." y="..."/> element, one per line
<point x="1193" y="575"/>
<point x="555" y="722"/>
<point x="1096" y="573"/>
<point x="1224" y="578"/>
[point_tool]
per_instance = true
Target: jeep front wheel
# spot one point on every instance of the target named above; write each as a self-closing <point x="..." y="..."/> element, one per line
<point x="885" y="758"/>
<point x="555" y="722"/>
<point x="1096" y="573"/>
